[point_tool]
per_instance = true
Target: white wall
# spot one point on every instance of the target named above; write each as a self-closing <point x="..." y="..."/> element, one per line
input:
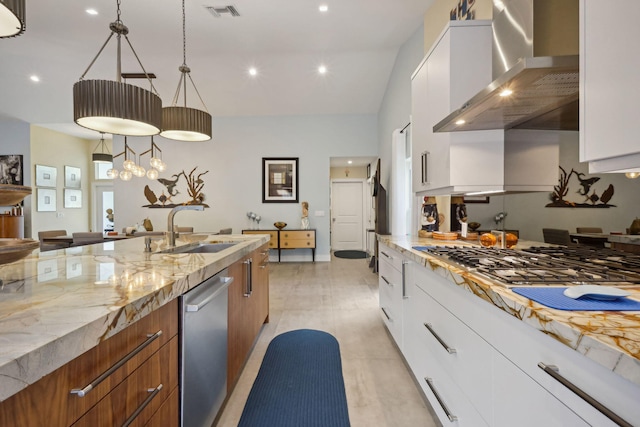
<point x="395" y="110"/>
<point x="234" y="181"/>
<point x="56" y="149"/>
<point x="14" y="139"/>
<point x="527" y="212"/>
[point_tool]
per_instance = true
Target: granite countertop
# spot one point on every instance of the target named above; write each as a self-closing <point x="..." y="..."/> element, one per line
<point x="609" y="338"/>
<point x="625" y="238"/>
<point x="58" y="304"/>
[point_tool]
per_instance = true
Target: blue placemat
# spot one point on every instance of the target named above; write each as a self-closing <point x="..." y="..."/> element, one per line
<point x="554" y="298"/>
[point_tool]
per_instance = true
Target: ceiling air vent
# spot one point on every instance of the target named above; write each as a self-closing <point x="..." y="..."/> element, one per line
<point x="218" y="11"/>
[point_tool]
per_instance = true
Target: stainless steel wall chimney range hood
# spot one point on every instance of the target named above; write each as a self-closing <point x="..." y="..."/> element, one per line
<point x="535" y="71"/>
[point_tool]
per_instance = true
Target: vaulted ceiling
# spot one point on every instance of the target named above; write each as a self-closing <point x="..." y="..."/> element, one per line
<point x="285" y="40"/>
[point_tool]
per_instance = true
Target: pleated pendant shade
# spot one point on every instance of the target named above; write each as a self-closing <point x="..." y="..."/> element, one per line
<point x="185" y="124"/>
<point x="117" y="108"/>
<point x="12" y="18"/>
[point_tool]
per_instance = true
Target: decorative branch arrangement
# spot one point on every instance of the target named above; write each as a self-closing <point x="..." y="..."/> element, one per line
<point x="195" y="185"/>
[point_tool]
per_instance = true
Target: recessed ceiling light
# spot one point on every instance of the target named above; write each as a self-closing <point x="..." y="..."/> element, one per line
<point x="350" y="162"/>
<point x="322" y="69"/>
<point x="460" y="122"/>
<point x="92" y="11"/>
<point x="253" y="71"/>
<point x="34" y="78"/>
<point x="323" y="8"/>
<point x="506" y="92"/>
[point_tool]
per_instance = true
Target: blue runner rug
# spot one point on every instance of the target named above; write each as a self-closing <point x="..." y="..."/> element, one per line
<point x="299" y="384"/>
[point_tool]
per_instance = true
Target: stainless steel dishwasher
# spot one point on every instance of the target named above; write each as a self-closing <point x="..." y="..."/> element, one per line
<point x="203" y="355"/>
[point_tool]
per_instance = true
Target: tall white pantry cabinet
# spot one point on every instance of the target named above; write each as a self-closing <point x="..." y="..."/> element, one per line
<point x="609" y="85"/>
<point x="457" y="66"/>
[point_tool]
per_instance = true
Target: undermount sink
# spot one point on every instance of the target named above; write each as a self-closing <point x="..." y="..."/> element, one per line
<point x="200" y="248"/>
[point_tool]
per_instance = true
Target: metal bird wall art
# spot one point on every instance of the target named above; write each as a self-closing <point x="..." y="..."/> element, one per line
<point x="587" y="190"/>
<point x="194" y="184"/>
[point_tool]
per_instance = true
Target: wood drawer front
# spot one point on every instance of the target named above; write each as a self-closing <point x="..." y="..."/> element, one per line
<point x="298" y="243"/>
<point x="128" y="396"/>
<point x="465" y="356"/>
<point x="391" y="256"/>
<point x="169" y="412"/>
<point x="273" y="236"/>
<point x="51" y="394"/>
<point x="298" y="235"/>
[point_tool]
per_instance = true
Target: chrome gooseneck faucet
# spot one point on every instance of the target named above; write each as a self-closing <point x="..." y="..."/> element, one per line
<point x="171" y="234"/>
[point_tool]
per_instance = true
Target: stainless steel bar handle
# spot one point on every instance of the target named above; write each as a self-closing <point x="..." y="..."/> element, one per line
<point x="450" y="350"/>
<point x="554" y="372"/>
<point x="195" y="307"/>
<point x="248" y="285"/>
<point x="386" y="254"/>
<point x="446" y="410"/>
<point x="386" y="281"/>
<point x="81" y="392"/>
<point x="384" y="310"/>
<point x="424" y="159"/>
<point x="404" y="281"/>
<point x="154" y="392"/>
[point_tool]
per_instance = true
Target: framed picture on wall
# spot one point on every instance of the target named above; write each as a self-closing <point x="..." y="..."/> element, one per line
<point x="72" y="177"/>
<point x="46" y="176"/>
<point x="280" y="180"/>
<point x="46" y="200"/>
<point x="72" y="198"/>
<point x="11" y="169"/>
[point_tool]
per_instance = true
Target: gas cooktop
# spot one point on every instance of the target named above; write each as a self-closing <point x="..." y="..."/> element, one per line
<point x="546" y="265"/>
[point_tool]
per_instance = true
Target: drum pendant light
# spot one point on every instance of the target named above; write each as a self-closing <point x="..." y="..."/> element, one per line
<point x="12" y="18"/>
<point x="180" y="122"/>
<point x="113" y="106"/>
<point x="102" y="156"/>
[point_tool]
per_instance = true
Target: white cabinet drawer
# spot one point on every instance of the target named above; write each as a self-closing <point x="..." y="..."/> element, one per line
<point x="461" y="352"/>
<point x="391" y="302"/>
<point x="447" y="400"/>
<point x="515" y="393"/>
<point x="391" y="256"/>
<point x="527" y="347"/>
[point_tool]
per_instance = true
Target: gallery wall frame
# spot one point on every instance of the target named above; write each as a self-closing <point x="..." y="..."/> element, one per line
<point x="280" y="180"/>
<point x="46" y="199"/>
<point x="72" y="177"/>
<point x="46" y="176"/>
<point x="11" y="171"/>
<point x="72" y="198"/>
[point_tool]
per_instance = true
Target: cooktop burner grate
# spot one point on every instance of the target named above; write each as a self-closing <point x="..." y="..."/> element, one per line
<point x="546" y="265"/>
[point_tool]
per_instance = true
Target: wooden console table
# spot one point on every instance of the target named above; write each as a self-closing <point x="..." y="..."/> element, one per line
<point x="289" y="239"/>
<point x="12" y="226"/>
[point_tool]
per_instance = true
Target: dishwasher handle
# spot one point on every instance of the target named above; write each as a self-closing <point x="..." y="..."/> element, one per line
<point x="226" y="282"/>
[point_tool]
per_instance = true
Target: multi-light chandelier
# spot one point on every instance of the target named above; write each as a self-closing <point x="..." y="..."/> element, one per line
<point x="12" y="18"/>
<point x="131" y="168"/>
<point x="113" y="106"/>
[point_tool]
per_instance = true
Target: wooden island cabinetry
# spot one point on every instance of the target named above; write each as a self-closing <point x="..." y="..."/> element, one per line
<point x="248" y="308"/>
<point x="139" y="367"/>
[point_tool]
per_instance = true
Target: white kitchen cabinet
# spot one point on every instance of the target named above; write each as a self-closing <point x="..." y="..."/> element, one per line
<point x="455" y="68"/>
<point x="391" y="290"/>
<point x="492" y="360"/>
<point x="609" y="85"/>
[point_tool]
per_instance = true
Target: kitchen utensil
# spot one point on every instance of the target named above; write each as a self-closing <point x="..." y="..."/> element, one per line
<point x="605" y="293"/>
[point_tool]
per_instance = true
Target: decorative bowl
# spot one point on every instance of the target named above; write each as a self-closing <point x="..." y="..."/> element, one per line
<point x="279" y="225"/>
<point x="14" y="249"/>
<point x="473" y="226"/>
<point x="11" y="194"/>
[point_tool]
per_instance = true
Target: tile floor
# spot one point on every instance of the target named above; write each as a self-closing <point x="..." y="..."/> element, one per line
<point x="339" y="297"/>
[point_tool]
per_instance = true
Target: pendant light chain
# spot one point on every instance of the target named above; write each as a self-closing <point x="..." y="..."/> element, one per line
<point x="184" y="36"/>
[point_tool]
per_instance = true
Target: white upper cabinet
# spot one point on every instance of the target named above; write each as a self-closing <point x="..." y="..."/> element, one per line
<point x="609" y="85"/>
<point x="455" y="68"/>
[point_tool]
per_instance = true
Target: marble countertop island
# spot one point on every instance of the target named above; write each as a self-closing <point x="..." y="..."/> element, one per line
<point x="58" y="304"/>
<point x="610" y="338"/>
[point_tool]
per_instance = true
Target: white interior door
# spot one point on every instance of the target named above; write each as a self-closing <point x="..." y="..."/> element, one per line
<point x="347" y="213"/>
<point x="103" y="200"/>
